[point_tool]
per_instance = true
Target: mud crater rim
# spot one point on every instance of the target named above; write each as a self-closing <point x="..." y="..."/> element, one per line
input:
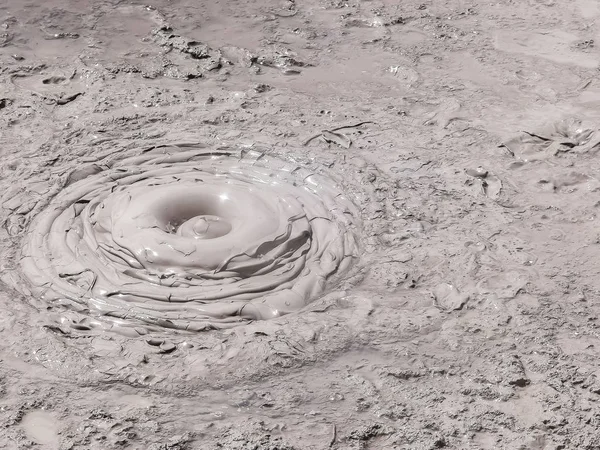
<point x="190" y="239"/>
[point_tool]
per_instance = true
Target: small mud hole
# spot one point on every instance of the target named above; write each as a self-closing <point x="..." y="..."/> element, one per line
<point x="55" y="80"/>
<point x="189" y="239"/>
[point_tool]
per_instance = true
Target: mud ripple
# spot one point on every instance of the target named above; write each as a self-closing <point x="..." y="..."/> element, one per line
<point x="187" y="238"/>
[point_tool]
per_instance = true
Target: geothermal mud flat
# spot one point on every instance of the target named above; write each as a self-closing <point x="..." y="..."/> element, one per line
<point x="299" y="225"/>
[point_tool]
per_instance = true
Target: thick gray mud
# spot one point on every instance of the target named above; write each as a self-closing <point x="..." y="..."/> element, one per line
<point x="185" y="238"/>
<point x="386" y="239"/>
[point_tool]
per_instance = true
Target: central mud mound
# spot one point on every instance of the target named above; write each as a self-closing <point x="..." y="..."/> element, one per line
<point x="187" y="238"/>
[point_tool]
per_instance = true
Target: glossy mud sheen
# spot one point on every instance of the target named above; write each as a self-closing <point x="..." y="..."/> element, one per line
<point x="190" y="239"/>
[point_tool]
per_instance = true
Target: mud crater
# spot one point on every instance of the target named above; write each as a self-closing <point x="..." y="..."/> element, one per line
<point x="188" y="238"/>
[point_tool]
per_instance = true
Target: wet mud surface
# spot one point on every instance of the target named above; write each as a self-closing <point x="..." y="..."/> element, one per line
<point x="183" y="238"/>
<point x="407" y="192"/>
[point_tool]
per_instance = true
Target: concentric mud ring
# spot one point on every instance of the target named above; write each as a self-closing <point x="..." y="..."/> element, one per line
<point x="187" y="238"/>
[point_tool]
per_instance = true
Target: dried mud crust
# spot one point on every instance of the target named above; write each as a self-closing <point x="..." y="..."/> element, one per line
<point x="472" y="323"/>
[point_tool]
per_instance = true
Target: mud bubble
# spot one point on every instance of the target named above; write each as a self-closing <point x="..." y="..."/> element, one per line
<point x="187" y="238"/>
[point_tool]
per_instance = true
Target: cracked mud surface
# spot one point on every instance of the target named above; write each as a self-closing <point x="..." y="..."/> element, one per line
<point x="467" y="136"/>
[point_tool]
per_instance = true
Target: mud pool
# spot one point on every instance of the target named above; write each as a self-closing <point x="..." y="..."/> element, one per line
<point x="299" y="225"/>
<point x="184" y="238"/>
